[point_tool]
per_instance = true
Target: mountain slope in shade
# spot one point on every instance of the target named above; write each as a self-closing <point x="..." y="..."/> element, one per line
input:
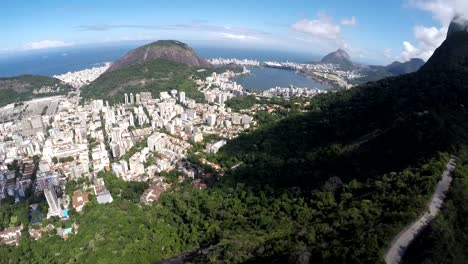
<point x="171" y="50"/>
<point x="339" y="57"/>
<point x="370" y="133"/>
<point x="399" y="68"/>
<point x="453" y="53"/>
<point x="458" y="24"/>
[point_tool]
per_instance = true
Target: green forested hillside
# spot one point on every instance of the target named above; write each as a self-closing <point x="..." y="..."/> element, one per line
<point x="446" y="239"/>
<point x="16" y="89"/>
<point x="346" y="223"/>
<point x="378" y="128"/>
<point x="155" y="77"/>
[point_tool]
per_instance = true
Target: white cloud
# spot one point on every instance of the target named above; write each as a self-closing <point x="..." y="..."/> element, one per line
<point x="325" y="34"/>
<point x="238" y="36"/>
<point x="427" y="39"/>
<point x="352" y="22"/>
<point x="443" y="10"/>
<point x="46" y="44"/>
<point x="322" y="27"/>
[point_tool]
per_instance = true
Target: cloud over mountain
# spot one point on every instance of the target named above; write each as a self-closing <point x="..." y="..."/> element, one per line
<point x="427" y="39"/>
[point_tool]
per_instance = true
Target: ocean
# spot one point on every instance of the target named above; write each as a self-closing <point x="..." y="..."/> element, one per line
<point x="69" y="59"/>
<point x="58" y="61"/>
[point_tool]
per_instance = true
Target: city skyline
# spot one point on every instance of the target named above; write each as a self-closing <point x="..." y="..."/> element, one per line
<point x="404" y="29"/>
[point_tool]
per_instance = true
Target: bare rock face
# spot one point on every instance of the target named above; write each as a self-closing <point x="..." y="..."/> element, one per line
<point x="170" y="50"/>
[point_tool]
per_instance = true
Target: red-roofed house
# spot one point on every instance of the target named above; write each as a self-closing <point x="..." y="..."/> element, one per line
<point x="79" y="200"/>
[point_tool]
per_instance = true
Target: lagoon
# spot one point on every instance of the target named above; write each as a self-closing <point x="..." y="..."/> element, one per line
<point x="263" y="78"/>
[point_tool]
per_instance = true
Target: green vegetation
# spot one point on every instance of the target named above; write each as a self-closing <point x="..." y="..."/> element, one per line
<point x="331" y="185"/>
<point x="243" y="102"/>
<point x="136" y="148"/>
<point x="13" y="214"/>
<point x="15" y="89"/>
<point x="168" y="43"/>
<point x="66" y="159"/>
<point x="246" y="102"/>
<point x="446" y="238"/>
<point x="155" y="77"/>
<point x="343" y="223"/>
<point x="122" y="189"/>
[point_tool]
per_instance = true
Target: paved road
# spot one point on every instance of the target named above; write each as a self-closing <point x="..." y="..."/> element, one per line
<point x="405" y="237"/>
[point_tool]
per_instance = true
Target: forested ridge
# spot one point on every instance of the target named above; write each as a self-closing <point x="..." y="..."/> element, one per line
<point x="153" y="76"/>
<point x="333" y="184"/>
<point x="445" y="240"/>
<point x="20" y="88"/>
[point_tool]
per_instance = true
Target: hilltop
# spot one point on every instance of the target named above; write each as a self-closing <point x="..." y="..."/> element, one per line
<point x="339" y="57"/>
<point x="170" y="50"/>
<point x="26" y="87"/>
<point x="156" y="67"/>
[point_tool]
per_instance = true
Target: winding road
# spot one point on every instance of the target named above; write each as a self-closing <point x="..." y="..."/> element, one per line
<point x="401" y="242"/>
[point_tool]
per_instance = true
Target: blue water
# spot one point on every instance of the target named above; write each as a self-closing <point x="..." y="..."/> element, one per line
<point x="58" y="61"/>
<point x="265" y="78"/>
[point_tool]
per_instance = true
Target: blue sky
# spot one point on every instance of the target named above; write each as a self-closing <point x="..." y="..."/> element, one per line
<point x="371" y="31"/>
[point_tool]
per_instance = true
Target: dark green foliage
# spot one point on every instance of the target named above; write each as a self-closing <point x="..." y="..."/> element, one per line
<point x="122" y="189"/>
<point x="348" y="223"/>
<point x="17" y="89"/>
<point x="446" y="239"/>
<point x="13" y="214"/>
<point x="374" y="129"/>
<point x="243" y="102"/>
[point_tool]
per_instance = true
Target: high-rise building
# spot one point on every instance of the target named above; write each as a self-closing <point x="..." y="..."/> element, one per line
<point x="132" y="100"/>
<point x="126" y="99"/>
<point x="131" y="120"/>
<point x="115" y="149"/>
<point x="138" y="99"/>
<point x="156" y="142"/>
<point x="211" y="119"/>
<point x="182" y="97"/>
<point x="52" y="201"/>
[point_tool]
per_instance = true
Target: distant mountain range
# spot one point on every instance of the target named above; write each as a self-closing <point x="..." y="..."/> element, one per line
<point x="372" y="72"/>
<point x="399" y="68"/>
